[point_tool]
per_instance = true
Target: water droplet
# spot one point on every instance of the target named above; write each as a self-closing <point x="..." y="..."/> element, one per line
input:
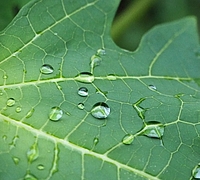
<point x="85" y="77"/>
<point x="140" y="110"/>
<point x="81" y="106"/>
<point x="152" y="87"/>
<point x="5" y="76"/>
<point x="111" y="77"/>
<point x="30" y="113"/>
<point x="100" y="110"/>
<point x="30" y="177"/>
<point x="1" y="93"/>
<point x="101" y="52"/>
<point x="40" y="167"/>
<point x="55" y="114"/>
<point x="16" y="160"/>
<point x="46" y="69"/>
<point x="10" y="102"/>
<point x="32" y="153"/>
<point x="153" y="129"/>
<point x="4" y="137"/>
<point x="128" y="139"/>
<point x="18" y="109"/>
<point x="83" y="91"/>
<point x="95" y="61"/>
<point x="96" y="141"/>
<point x="196" y="172"/>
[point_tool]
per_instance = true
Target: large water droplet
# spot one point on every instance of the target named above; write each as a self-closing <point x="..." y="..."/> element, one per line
<point x="32" y="153"/>
<point x="101" y="52"/>
<point x="196" y="172"/>
<point x="111" y="77"/>
<point x="85" y="77"/>
<point x="40" y="167"/>
<point x="55" y="114"/>
<point x="95" y="61"/>
<point x="81" y="106"/>
<point x="10" y="102"/>
<point x="83" y="91"/>
<point x="100" y="110"/>
<point x="128" y="139"/>
<point x="46" y="69"/>
<point x="140" y="110"/>
<point x="153" y="129"/>
<point x="152" y="87"/>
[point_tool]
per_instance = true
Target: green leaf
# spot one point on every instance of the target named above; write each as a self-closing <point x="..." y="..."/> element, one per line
<point x="51" y="50"/>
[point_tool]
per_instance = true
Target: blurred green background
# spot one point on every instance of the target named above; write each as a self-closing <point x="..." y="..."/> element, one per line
<point x="132" y="20"/>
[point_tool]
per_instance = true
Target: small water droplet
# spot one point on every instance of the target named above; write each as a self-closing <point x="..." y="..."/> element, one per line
<point x="18" y="109"/>
<point x="95" y="61"/>
<point x="85" y="77"/>
<point x="140" y="110"/>
<point x="196" y="172"/>
<point x="111" y="77"/>
<point x="32" y="153"/>
<point x="83" y="91"/>
<point x="4" y="137"/>
<point x="5" y="76"/>
<point x="1" y="93"/>
<point x="40" y="167"/>
<point x="100" y="110"/>
<point x="30" y="177"/>
<point x="30" y="113"/>
<point x="96" y="141"/>
<point x="152" y="87"/>
<point x="81" y="106"/>
<point x="55" y="114"/>
<point x="10" y="102"/>
<point x="153" y="129"/>
<point x="128" y="139"/>
<point x="46" y="69"/>
<point x="101" y="52"/>
<point x="16" y="160"/>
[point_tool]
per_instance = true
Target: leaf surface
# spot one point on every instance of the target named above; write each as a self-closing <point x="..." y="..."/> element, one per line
<point x="52" y="49"/>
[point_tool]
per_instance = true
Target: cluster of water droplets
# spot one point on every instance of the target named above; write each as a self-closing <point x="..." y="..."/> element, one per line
<point x="100" y="110"/>
<point x="151" y="129"/>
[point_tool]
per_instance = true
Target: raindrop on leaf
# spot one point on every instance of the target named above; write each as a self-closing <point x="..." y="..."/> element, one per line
<point x="152" y="87"/>
<point x="111" y="77"/>
<point x="96" y="141"/>
<point x="128" y="139"/>
<point x="55" y="114"/>
<point x="196" y="172"/>
<point x="30" y="113"/>
<point x="40" y="167"/>
<point x="95" y="61"/>
<point x="81" y="106"/>
<point x="153" y="129"/>
<point x="83" y="91"/>
<point x="32" y="153"/>
<point x="100" y="110"/>
<point x="10" y="102"/>
<point x="18" y="109"/>
<point x="85" y="77"/>
<point x="16" y="160"/>
<point x="101" y="52"/>
<point x="46" y="69"/>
